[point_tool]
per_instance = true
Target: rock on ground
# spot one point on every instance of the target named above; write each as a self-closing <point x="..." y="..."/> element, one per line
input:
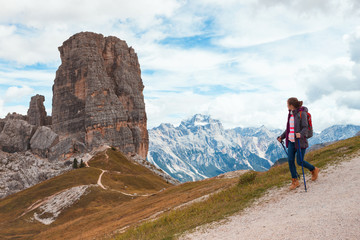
<point x="23" y="170"/>
<point x="51" y="208"/>
<point x="15" y="136"/>
<point x="44" y="138"/>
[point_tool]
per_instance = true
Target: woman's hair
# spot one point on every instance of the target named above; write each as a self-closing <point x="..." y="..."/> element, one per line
<point x="295" y="102"/>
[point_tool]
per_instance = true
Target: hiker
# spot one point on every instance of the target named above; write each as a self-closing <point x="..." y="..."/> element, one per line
<point x="296" y="128"/>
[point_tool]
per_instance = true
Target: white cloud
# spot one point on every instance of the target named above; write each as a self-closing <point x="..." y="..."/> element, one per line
<point x="38" y="28"/>
<point x="21" y="109"/>
<point x="330" y="110"/>
<point x="350" y="100"/>
<point x="263" y="50"/>
<point x="173" y="107"/>
<point x="34" y="78"/>
<point x="16" y="94"/>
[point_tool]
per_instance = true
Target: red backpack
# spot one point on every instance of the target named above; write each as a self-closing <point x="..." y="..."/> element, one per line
<point x="310" y="131"/>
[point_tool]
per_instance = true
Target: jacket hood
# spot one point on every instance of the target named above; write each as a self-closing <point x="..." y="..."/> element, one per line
<point x="305" y="109"/>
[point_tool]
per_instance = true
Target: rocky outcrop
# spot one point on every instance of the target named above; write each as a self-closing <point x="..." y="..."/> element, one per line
<point x="98" y="95"/>
<point x="23" y="170"/>
<point x="36" y="114"/>
<point x="2" y="124"/>
<point x="97" y="101"/>
<point x="14" y="115"/>
<point x="44" y="138"/>
<point x="16" y="135"/>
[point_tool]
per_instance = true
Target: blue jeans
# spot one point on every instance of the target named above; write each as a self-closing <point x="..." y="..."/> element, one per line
<point x="291" y="159"/>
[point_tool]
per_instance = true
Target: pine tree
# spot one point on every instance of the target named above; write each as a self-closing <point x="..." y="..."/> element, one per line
<point x="82" y="164"/>
<point x="75" y="163"/>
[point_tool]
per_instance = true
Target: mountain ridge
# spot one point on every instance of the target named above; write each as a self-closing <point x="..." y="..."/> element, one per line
<point x="200" y="146"/>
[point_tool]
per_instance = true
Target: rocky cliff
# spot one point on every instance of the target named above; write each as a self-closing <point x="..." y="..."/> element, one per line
<point x="97" y="101"/>
<point x="98" y="96"/>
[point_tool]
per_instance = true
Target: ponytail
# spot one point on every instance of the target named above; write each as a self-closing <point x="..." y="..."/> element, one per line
<point x="295" y="102"/>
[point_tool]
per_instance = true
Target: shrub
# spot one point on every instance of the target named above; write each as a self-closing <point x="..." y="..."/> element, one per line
<point x="247" y="178"/>
<point x="82" y="164"/>
<point x="75" y="163"/>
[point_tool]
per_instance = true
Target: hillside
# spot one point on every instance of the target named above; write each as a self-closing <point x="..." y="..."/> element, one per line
<point x="251" y="187"/>
<point x="109" y="195"/>
<point x="329" y="210"/>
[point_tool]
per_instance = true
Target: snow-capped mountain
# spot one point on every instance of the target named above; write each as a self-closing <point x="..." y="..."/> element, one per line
<point x="334" y="133"/>
<point x="200" y="147"/>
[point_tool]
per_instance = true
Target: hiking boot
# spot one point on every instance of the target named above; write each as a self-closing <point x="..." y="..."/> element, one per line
<point x="315" y="174"/>
<point x="295" y="183"/>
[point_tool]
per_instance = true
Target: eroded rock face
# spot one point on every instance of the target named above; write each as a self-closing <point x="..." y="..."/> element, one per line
<point x="37" y="114"/>
<point x="98" y="95"/>
<point x="21" y="170"/>
<point x="2" y="124"/>
<point x="43" y="139"/>
<point x="16" y="135"/>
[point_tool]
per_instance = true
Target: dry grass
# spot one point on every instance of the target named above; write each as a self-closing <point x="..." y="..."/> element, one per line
<point x="100" y="212"/>
<point x="251" y="186"/>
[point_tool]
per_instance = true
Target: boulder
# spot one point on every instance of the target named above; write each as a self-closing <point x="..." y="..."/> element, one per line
<point x="43" y="139"/>
<point x="16" y="135"/>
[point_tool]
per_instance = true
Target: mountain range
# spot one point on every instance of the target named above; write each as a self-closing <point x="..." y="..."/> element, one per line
<point x="200" y="147"/>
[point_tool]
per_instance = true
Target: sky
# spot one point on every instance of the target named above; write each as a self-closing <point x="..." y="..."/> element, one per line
<point x="237" y="61"/>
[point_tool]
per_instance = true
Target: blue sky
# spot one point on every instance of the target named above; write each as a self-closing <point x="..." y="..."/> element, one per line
<point x="237" y="61"/>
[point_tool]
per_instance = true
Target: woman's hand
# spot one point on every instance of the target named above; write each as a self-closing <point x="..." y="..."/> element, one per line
<point x="279" y="139"/>
<point x="298" y="135"/>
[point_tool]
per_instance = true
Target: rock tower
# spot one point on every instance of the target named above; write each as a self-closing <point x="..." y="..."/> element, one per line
<point x="98" y="95"/>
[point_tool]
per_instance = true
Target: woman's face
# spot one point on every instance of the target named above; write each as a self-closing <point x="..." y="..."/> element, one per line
<point x="290" y="107"/>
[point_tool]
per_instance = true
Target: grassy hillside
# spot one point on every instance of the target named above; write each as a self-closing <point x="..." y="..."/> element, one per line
<point x="250" y="186"/>
<point x="132" y="193"/>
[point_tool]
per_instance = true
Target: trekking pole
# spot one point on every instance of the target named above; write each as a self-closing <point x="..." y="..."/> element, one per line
<point x="302" y="163"/>
<point x="282" y="143"/>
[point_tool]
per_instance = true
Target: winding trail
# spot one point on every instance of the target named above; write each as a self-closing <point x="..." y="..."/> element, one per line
<point x="328" y="210"/>
<point x="99" y="183"/>
<point x="99" y="180"/>
<point x="45" y="200"/>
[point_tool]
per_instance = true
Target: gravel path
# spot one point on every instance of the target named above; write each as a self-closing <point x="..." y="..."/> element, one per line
<point x="330" y="209"/>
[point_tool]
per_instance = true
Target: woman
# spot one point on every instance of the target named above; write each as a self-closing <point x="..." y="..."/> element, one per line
<point x="296" y="129"/>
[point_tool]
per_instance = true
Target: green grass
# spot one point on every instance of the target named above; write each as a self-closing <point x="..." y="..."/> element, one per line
<point x="251" y="186"/>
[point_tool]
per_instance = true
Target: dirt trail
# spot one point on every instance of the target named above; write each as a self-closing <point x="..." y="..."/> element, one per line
<point x="99" y="183"/>
<point x="328" y="210"/>
<point x="99" y="180"/>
